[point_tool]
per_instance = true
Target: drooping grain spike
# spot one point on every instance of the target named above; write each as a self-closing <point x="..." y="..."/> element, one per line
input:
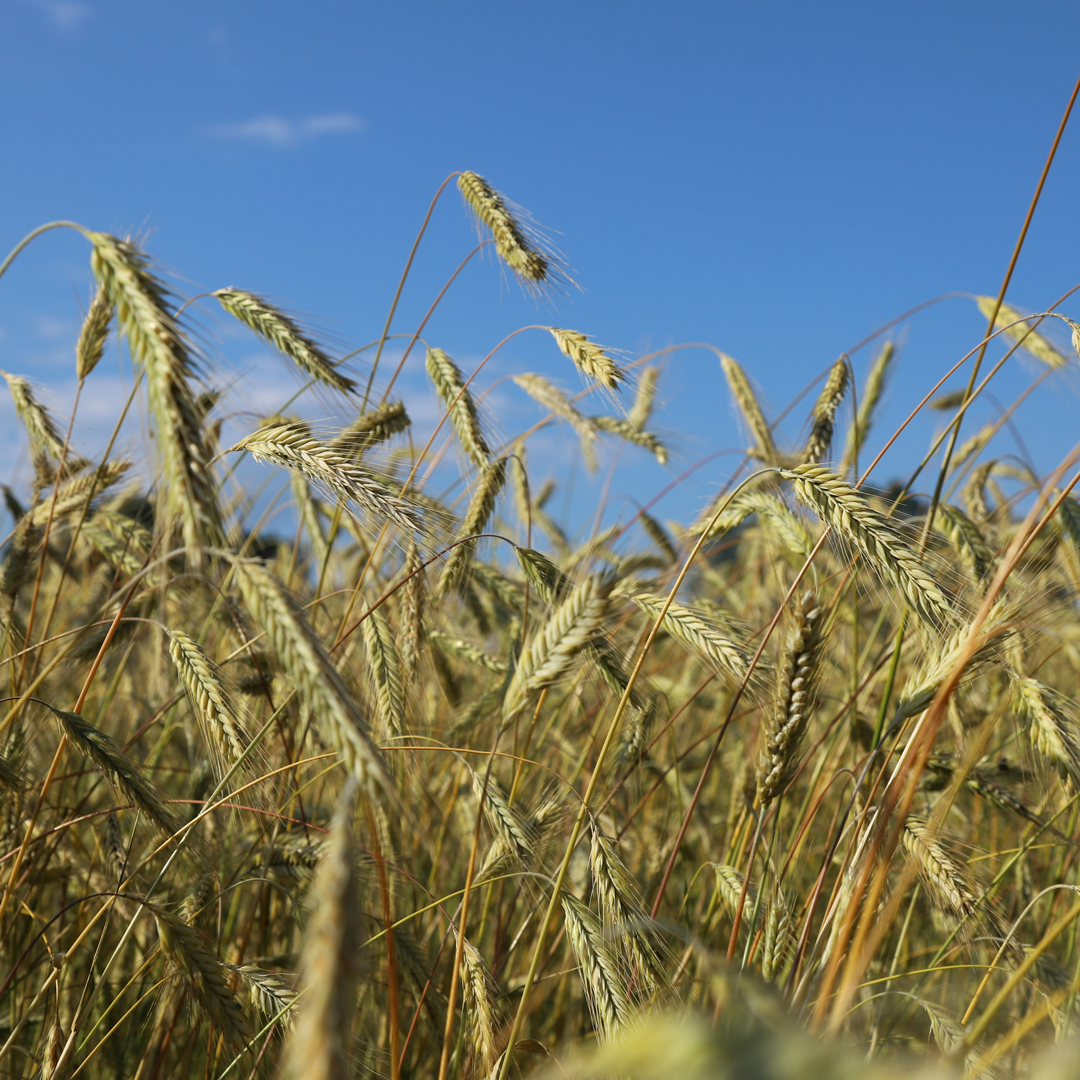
<point x="94" y="333"/>
<point x="590" y="358"/>
<point x="764" y="448"/>
<point x="449" y="384"/>
<point x="481" y="506"/>
<point x="279" y="330"/>
<point x="1035" y="343"/>
<point x="515" y="247"/>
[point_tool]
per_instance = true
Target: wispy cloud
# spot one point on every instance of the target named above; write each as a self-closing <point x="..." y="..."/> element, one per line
<point x="281" y="133"/>
<point x="64" y="14"/>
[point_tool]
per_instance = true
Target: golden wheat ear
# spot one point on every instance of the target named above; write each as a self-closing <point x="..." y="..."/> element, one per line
<point x="591" y="359"/>
<point x="276" y="328"/>
<point x="1018" y="327"/>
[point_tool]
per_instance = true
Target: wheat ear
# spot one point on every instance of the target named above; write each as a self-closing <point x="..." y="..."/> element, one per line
<point x="868" y="403"/>
<point x="590" y="358"/>
<point x="202" y="680"/>
<point x="965" y="537"/>
<point x="274" y="326"/>
<point x="565" y="633"/>
<point x="764" y="448"/>
<point x="481" y="506"/>
<point x="1052" y="725"/>
<point x="695" y="630"/>
<point x="644" y="397"/>
<point x="553" y="399"/>
<point x="271" y="995"/>
<point x="90" y="346"/>
<point x="203" y="975"/>
<point x="319" y="1046"/>
<point x="72" y="495"/>
<point x="622" y="908"/>
<point x="370" y="428"/>
<point x="45" y="439"/>
<point x="478" y="997"/>
<point x="795" y="696"/>
<point x="301" y="654"/>
<point x="385" y="672"/>
<point x="158" y="344"/>
<point x="605" y="988"/>
<point x="411" y="620"/>
<point x="449" y="384"/>
<point x="821" y="431"/>
<point x="117" y="768"/>
<point x="1035" y="343"/>
<point x="512" y="242"/>
<point x="613" y="425"/>
<point x="293" y="447"/>
<point x="857" y="523"/>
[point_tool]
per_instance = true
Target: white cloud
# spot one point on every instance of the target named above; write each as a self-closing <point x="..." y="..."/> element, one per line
<point x="65" y="14"/>
<point x="280" y="133"/>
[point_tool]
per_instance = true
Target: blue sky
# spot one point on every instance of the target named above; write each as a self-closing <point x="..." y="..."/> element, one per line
<point x="776" y="179"/>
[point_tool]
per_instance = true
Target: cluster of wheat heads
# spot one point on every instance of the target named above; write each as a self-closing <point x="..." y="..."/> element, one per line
<point x="434" y="788"/>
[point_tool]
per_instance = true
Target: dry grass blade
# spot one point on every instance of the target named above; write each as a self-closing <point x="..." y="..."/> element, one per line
<point x="117" y="768"/>
<point x="795" y="699"/>
<point x="821" y="433"/>
<point x="372" y="427"/>
<point x="764" y="448"/>
<point x="274" y="326"/>
<point x="203" y="975"/>
<point x="613" y="425"/>
<point x="481" y="506"/>
<point x="695" y="630"/>
<point x="590" y="358"/>
<point x="552" y="398"/>
<point x="1035" y="343"/>
<point x="291" y="446"/>
<point x="301" y="654"/>
<point x="319" y="1047"/>
<point x="94" y="333"/>
<point x="512" y="241"/>
<point x="567" y="631"/>
<point x="158" y="344"/>
<point x="218" y="714"/>
<point x="385" y="673"/>
<point x="605" y="988"/>
<point x="858" y="524"/>
<point x="449" y="384"/>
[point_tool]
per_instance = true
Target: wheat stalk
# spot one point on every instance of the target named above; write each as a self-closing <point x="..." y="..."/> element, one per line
<point x="449" y="384"/>
<point x="857" y="523"/>
<point x="274" y="326"/>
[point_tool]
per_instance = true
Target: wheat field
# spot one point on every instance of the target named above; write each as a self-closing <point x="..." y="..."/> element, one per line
<point x="425" y="786"/>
